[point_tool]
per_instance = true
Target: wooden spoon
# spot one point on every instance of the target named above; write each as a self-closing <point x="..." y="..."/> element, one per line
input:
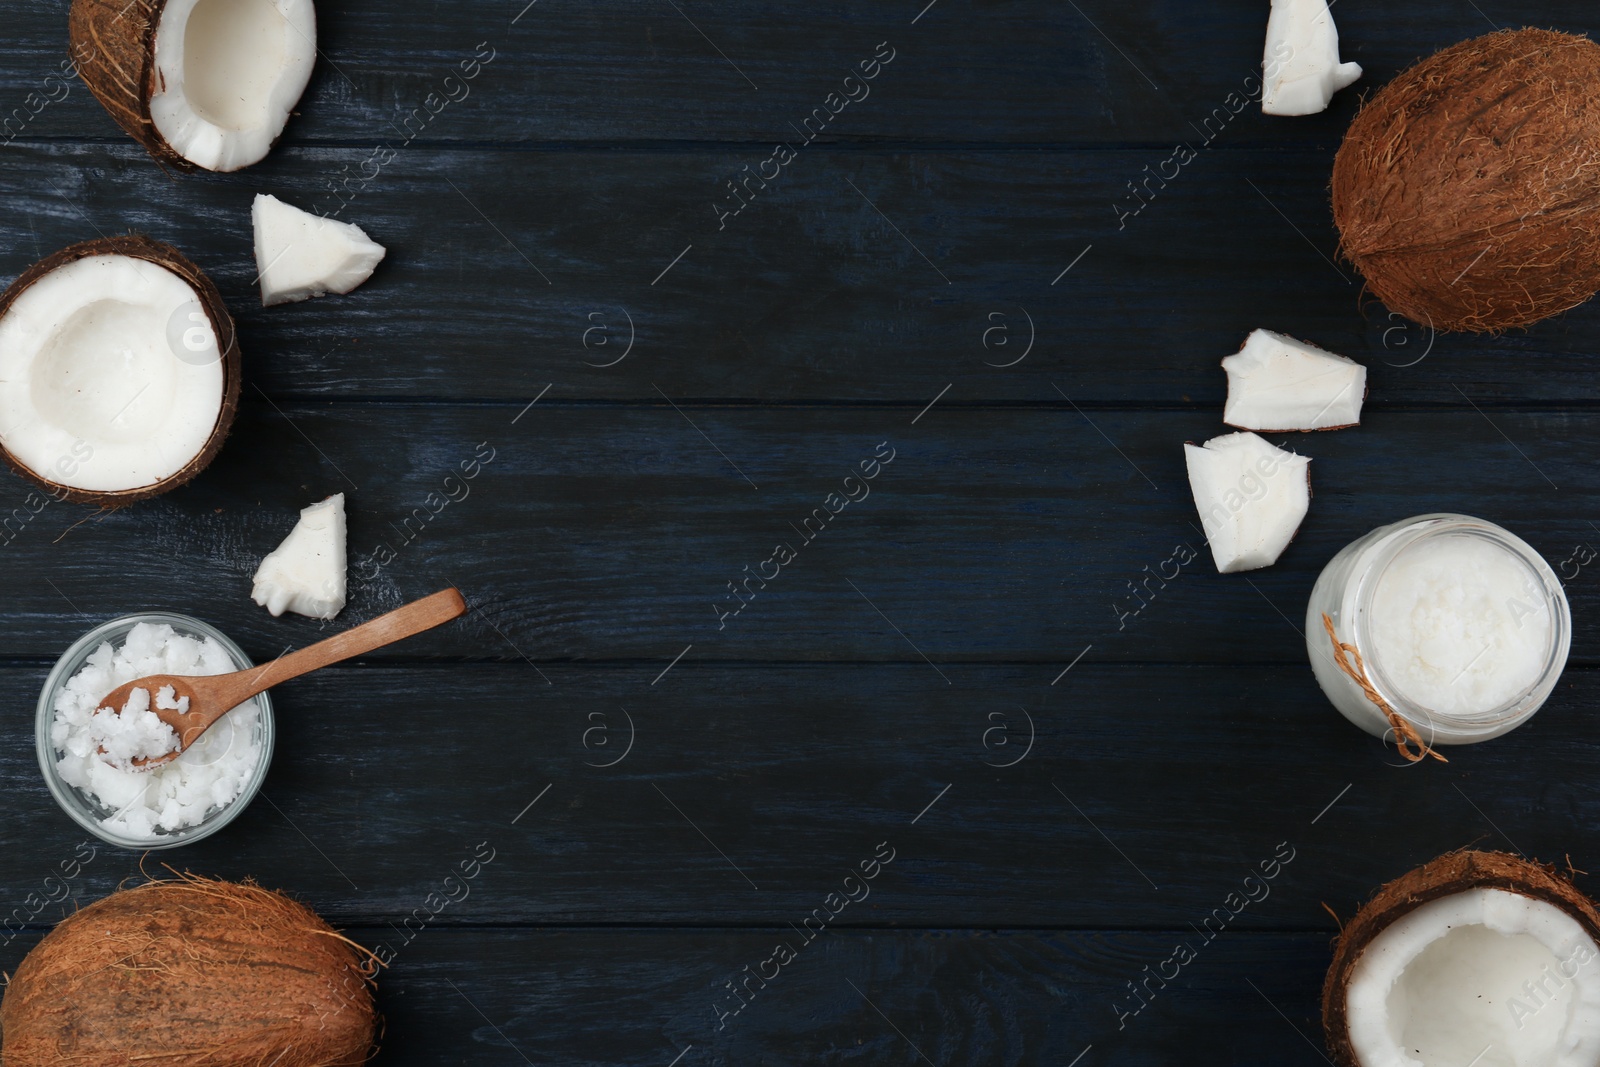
<point x="212" y="697"/>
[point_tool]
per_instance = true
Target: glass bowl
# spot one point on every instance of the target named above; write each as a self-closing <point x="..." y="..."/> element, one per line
<point x="87" y="810"/>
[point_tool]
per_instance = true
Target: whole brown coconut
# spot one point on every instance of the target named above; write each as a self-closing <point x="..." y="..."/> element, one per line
<point x="1467" y="191"/>
<point x="190" y="972"/>
<point x="1454" y="872"/>
<point x="163" y="255"/>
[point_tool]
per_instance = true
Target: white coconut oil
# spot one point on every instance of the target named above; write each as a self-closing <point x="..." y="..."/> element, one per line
<point x="173" y="797"/>
<point x="1461" y="626"/>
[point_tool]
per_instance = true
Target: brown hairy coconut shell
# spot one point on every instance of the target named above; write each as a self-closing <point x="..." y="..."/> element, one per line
<point x="1454" y="872"/>
<point x="165" y="256"/>
<point x="1467" y="190"/>
<point x="195" y="972"/>
<point x="117" y="40"/>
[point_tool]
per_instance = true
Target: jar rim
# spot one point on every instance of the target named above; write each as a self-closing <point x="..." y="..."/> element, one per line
<point x="1404" y="535"/>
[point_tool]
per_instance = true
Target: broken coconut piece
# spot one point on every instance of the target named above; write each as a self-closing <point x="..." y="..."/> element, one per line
<point x="1251" y="496"/>
<point x="306" y="574"/>
<point x="199" y="83"/>
<point x="1277" y="384"/>
<point x="1300" y="66"/>
<point x="300" y="255"/>
<point x="1476" y="955"/>
<point x="119" y="371"/>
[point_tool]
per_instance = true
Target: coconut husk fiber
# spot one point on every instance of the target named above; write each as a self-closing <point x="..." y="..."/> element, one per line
<point x="1467" y="190"/>
<point x="190" y="972"/>
<point x="116" y="39"/>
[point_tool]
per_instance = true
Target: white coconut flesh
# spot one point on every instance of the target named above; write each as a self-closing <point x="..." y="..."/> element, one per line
<point x="1251" y="497"/>
<point x="1277" y="384"/>
<point x="1301" y="60"/>
<point x="1485" y="977"/>
<point x="228" y="72"/>
<point x="306" y="574"/>
<point x="300" y="255"/>
<point x="110" y="378"/>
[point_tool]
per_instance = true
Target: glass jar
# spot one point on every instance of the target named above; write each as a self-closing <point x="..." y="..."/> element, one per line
<point x="89" y="811"/>
<point x="1462" y="628"/>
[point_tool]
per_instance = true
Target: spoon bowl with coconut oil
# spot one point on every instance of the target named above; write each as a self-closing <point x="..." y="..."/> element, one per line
<point x="184" y="708"/>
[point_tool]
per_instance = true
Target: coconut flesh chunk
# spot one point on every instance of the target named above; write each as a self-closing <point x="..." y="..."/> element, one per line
<point x="227" y="75"/>
<point x="1300" y="66"/>
<point x="110" y="378"/>
<point x="306" y="574"/>
<point x="1485" y="976"/>
<point x="1251" y="497"/>
<point x="1277" y="384"/>
<point x="300" y="255"/>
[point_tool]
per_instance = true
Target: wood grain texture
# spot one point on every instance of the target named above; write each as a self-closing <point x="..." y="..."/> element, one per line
<point x="872" y="692"/>
<point x="529" y="269"/>
<point x="993" y="70"/>
<point x="741" y="795"/>
<point x="612" y="533"/>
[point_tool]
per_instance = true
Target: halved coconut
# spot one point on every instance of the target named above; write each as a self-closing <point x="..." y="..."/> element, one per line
<point x="1251" y="497"/>
<point x="199" y="83"/>
<point x="119" y="371"/>
<point x="1277" y="384"/>
<point x="300" y="255"/>
<point x="306" y="574"/>
<point x="1478" y="958"/>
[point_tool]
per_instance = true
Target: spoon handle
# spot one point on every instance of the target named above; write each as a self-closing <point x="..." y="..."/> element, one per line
<point x="397" y="625"/>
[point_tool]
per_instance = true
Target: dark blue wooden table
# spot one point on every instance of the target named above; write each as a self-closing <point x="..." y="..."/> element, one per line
<point x="941" y="790"/>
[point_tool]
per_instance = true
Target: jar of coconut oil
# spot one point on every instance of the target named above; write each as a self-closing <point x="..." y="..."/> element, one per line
<point x="1446" y="630"/>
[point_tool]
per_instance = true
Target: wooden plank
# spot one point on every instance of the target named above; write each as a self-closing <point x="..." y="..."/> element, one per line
<point x="607" y="276"/>
<point x="975" y="608"/>
<point x="607" y="997"/>
<point x="1006" y="71"/>
<point x="1149" y="793"/>
<point x="613" y="534"/>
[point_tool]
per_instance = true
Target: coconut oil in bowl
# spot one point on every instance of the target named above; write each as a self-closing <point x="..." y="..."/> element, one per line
<point x="195" y="795"/>
<point x="1446" y="630"/>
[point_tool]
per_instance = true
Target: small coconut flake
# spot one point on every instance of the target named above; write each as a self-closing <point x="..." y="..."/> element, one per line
<point x="300" y="255"/>
<point x="306" y="574"/>
<point x="1251" y="496"/>
<point x="167" y="699"/>
<point x="1277" y="385"/>
<point x="1300" y="67"/>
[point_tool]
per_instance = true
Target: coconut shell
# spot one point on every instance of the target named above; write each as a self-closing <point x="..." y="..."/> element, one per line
<point x="1455" y="872"/>
<point x="1466" y="190"/>
<point x="168" y="258"/>
<point x="117" y="40"/>
<point x="190" y="972"/>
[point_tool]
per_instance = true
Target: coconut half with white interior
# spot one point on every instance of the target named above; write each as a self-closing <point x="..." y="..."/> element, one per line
<point x="1479" y="958"/>
<point x="199" y="83"/>
<point x="119" y="371"/>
